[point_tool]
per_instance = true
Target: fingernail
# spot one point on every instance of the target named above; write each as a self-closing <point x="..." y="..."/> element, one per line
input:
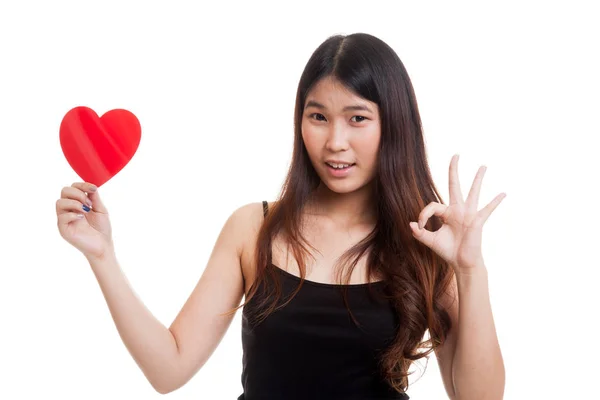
<point x="86" y="208"/>
<point x="79" y="216"/>
<point x="93" y="188"/>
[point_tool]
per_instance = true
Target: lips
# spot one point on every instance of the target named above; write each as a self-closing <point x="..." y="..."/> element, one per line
<point x="339" y="165"/>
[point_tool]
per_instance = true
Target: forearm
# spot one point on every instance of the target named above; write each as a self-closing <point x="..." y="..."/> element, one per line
<point x="478" y="368"/>
<point x="149" y="342"/>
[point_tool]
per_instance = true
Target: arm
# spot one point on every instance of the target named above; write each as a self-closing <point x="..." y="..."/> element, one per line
<point x="471" y="361"/>
<point x="169" y="357"/>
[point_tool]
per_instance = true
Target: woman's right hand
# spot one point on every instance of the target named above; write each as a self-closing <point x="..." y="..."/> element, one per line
<point x="88" y="231"/>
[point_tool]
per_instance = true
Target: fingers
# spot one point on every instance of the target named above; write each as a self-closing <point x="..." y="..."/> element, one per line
<point x="473" y="196"/>
<point x="85" y="187"/>
<point x="92" y="194"/>
<point x="423" y="235"/>
<point x="456" y="196"/>
<point x="67" y="217"/>
<point x="85" y="193"/>
<point x="64" y="206"/>
<point x="432" y="208"/>
<point x="72" y="193"/>
<point x="97" y="203"/>
<point x="485" y="213"/>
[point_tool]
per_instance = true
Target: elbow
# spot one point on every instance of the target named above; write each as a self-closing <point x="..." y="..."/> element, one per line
<point x="165" y="383"/>
<point x="170" y="377"/>
<point x="167" y="379"/>
<point x="163" y="388"/>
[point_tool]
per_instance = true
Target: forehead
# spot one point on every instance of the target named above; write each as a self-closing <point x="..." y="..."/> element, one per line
<point x="330" y="91"/>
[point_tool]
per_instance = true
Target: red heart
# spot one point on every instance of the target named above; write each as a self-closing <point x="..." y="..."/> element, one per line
<point x="98" y="148"/>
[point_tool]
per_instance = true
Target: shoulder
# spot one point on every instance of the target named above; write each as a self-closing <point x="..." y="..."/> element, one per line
<point x="248" y="216"/>
<point x="244" y="224"/>
<point x="246" y="221"/>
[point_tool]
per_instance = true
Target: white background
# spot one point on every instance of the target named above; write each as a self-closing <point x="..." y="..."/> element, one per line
<point x="511" y="86"/>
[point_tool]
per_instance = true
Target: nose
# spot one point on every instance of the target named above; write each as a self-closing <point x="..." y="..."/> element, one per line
<point x="337" y="139"/>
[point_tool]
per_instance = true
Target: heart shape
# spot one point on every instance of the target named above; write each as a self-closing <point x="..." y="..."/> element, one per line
<point x="97" y="148"/>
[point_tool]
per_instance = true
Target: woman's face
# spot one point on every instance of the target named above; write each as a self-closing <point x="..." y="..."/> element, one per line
<point x="341" y="132"/>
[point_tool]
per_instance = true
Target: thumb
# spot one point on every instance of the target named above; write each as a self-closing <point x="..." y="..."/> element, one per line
<point x="422" y="235"/>
<point x="97" y="204"/>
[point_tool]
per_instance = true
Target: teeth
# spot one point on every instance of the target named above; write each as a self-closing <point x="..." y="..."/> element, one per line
<point x="339" y="166"/>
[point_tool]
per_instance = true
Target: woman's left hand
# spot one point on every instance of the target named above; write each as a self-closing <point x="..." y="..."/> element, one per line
<point x="458" y="241"/>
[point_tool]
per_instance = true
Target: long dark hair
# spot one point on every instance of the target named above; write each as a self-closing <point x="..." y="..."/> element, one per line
<point x="416" y="278"/>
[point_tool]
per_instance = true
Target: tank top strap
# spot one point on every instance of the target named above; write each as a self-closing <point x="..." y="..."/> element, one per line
<point x="265" y="211"/>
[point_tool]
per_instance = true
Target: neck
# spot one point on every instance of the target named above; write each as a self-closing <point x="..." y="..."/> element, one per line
<point x="344" y="209"/>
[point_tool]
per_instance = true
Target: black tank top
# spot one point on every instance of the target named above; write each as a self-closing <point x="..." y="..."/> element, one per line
<point x="311" y="349"/>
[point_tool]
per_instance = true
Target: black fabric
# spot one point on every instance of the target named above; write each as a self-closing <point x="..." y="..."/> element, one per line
<point x="312" y="349"/>
<point x="265" y="208"/>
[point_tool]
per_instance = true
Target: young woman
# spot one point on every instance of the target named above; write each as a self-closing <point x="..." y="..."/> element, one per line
<point x="342" y="275"/>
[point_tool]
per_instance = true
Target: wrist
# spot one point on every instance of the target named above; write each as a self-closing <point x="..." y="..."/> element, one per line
<point x="107" y="256"/>
<point x="473" y="276"/>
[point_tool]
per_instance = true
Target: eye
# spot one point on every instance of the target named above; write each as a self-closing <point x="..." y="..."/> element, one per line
<point x="318" y="116"/>
<point x="360" y="120"/>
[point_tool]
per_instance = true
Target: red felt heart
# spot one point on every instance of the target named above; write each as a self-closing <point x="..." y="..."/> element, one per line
<point x="97" y="148"/>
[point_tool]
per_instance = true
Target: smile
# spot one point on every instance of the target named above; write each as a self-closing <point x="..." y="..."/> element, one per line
<point x="339" y="166"/>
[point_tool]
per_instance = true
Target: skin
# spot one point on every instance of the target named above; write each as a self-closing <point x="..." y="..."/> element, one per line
<point x="333" y="128"/>
<point x="337" y="125"/>
<point x="340" y="217"/>
<point x="471" y="360"/>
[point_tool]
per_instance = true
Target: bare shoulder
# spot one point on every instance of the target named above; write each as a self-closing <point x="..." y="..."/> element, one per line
<point x="245" y="223"/>
<point x="249" y="218"/>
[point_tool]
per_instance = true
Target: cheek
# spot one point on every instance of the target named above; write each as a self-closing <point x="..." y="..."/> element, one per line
<point x="368" y="146"/>
<point x="310" y="137"/>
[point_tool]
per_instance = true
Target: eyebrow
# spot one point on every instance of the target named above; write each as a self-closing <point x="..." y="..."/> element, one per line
<point x="357" y="107"/>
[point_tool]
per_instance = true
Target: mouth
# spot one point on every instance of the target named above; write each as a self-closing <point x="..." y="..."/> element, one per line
<point x="337" y="166"/>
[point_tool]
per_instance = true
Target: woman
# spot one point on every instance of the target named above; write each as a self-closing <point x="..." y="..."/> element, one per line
<point x="340" y="282"/>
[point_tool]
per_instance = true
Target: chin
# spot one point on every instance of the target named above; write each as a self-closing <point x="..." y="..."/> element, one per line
<point x="344" y="186"/>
